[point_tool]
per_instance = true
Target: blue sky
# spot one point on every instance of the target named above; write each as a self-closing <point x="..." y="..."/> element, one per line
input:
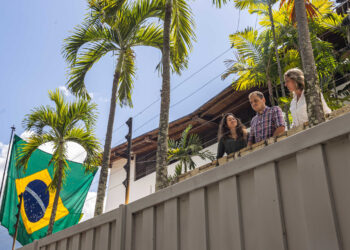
<point x="32" y="34"/>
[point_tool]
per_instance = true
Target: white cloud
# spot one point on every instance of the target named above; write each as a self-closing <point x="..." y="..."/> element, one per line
<point x="103" y="99"/>
<point x="3" y="154"/>
<point x="64" y="90"/>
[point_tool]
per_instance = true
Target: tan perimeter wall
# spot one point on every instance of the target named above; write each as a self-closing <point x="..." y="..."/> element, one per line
<point x="293" y="194"/>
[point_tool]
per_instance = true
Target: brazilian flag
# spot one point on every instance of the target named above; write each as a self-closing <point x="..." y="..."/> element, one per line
<point x="37" y="201"/>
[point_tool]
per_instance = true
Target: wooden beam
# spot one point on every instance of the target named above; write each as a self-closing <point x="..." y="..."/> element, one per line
<point x="228" y="98"/>
<point x="202" y="121"/>
<point x="149" y="140"/>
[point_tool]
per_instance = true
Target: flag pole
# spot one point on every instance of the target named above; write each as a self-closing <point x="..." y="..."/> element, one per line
<point x="13" y="128"/>
<point x="17" y="221"/>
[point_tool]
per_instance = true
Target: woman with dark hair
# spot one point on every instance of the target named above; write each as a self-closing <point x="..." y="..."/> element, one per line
<point x="232" y="135"/>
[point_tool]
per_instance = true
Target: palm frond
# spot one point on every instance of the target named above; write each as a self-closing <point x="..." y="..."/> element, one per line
<point x="83" y="35"/>
<point x="184" y="135"/>
<point x="182" y="32"/>
<point x="219" y="3"/>
<point x="28" y="148"/>
<point x="172" y="144"/>
<point x="246" y="43"/>
<point x="39" y="118"/>
<point x="106" y="9"/>
<point x="149" y="35"/>
<point x="133" y="17"/>
<point x="81" y="110"/>
<point x="90" y="144"/>
<point x="89" y="57"/>
<point x="178" y="169"/>
<point x="126" y="80"/>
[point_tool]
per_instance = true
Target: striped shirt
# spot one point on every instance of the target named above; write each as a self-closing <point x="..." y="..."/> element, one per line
<point x="264" y="125"/>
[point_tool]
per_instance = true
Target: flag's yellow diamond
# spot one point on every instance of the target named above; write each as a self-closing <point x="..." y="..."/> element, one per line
<point x="38" y="201"/>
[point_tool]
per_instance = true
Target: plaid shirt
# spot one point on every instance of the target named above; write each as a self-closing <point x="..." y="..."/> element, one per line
<point x="264" y="125"/>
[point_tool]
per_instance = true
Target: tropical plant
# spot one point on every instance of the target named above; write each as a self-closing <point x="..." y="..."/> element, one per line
<point x="312" y="89"/>
<point x="311" y="9"/>
<point x="324" y="53"/>
<point x="184" y="149"/>
<point x="253" y="61"/>
<point x="101" y="34"/>
<point x="67" y="122"/>
<point x="328" y="61"/>
<point x="178" y="21"/>
<point x="264" y="7"/>
<point x="178" y="27"/>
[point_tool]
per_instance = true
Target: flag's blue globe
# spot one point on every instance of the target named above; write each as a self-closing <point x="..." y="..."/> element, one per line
<point x="36" y="199"/>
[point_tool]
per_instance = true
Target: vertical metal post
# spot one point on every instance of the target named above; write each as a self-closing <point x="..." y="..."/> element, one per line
<point x="7" y="158"/>
<point x="17" y="215"/>
<point x="127" y="168"/>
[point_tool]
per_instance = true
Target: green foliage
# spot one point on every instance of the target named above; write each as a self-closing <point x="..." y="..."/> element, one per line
<point x="66" y="122"/>
<point x="335" y="100"/>
<point x="183" y="150"/>
<point x="178" y="169"/>
<point x="254" y="61"/>
<point x="114" y="27"/>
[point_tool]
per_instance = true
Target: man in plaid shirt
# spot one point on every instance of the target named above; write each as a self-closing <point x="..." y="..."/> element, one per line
<point x="267" y="122"/>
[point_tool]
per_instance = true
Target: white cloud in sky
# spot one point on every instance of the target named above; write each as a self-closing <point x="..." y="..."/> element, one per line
<point x="103" y="99"/>
<point x="3" y="154"/>
<point x="64" y="90"/>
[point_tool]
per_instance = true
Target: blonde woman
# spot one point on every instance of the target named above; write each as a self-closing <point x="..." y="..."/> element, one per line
<point x="294" y="81"/>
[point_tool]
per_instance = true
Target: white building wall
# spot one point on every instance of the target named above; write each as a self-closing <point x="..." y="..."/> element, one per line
<point x="115" y="188"/>
<point x="141" y="187"/>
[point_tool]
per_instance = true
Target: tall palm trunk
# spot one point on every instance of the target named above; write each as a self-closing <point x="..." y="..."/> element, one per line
<point x="269" y="86"/>
<point x="162" y="144"/>
<point x="279" y="68"/>
<point x="276" y="50"/>
<point x="55" y="201"/>
<point x="108" y="140"/>
<point x="312" y="89"/>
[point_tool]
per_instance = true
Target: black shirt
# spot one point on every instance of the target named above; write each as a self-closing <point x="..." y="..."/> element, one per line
<point x="229" y="145"/>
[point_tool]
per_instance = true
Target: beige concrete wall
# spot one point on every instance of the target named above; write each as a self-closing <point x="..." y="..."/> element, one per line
<point x="293" y="194"/>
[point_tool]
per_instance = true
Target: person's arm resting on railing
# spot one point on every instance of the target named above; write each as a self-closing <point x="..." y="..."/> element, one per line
<point x="279" y="121"/>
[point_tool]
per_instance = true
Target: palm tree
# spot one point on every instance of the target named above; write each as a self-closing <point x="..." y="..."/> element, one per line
<point x="311" y="9"/>
<point x="253" y="62"/>
<point x="67" y="122"/>
<point x="184" y="149"/>
<point x="264" y="7"/>
<point x="312" y="89"/>
<point x="179" y="24"/>
<point x="178" y="27"/>
<point x="118" y="34"/>
<point x="161" y="169"/>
